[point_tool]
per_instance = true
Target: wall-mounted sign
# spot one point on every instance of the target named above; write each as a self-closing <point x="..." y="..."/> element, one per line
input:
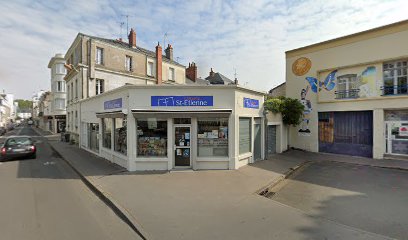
<point x="301" y="66"/>
<point x="403" y="131"/>
<point x="60" y="117"/>
<point x="111" y="104"/>
<point x="182" y="101"/>
<point x="251" y="103"/>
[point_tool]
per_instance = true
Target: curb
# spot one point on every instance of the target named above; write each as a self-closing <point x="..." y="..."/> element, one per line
<point x="366" y="165"/>
<point x="269" y="190"/>
<point x="120" y="211"/>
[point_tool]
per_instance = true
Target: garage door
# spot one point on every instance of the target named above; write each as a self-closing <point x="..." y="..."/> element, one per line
<point x="349" y="133"/>
<point x="271" y="140"/>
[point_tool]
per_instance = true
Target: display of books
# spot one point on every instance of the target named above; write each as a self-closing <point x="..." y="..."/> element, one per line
<point x="152" y="146"/>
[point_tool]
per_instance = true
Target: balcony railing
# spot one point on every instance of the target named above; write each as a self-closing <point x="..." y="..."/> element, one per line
<point x="347" y="94"/>
<point x="394" y="90"/>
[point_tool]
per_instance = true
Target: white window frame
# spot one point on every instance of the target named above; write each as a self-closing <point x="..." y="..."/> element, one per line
<point x="395" y="73"/>
<point x="172" y="74"/>
<point x="99" y="86"/>
<point x="59" y="103"/>
<point x="128" y="63"/>
<point x="60" y="86"/>
<point x="150" y="66"/>
<point x="99" y="56"/>
<point x="346" y="82"/>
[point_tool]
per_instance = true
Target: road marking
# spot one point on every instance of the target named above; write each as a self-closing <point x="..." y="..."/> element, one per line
<point x="49" y="163"/>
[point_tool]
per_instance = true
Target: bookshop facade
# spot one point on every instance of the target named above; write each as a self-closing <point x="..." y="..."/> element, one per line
<point x="165" y="127"/>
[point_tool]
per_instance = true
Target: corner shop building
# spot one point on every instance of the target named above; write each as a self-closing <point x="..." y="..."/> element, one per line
<point x="164" y="127"/>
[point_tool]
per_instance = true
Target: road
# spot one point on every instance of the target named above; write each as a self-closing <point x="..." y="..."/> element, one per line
<point x="362" y="197"/>
<point x="45" y="199"/>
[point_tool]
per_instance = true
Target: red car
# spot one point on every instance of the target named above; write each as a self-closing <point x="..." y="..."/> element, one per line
<point x="18" y="147"/>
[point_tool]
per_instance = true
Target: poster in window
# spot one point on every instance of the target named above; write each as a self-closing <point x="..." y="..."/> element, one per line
<point x="151" y="123"/>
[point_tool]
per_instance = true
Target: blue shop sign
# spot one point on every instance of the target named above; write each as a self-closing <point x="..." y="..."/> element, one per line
<point x="182" y="101"/>
<point x="111" y="104"/>
<point x="251" y="103"/>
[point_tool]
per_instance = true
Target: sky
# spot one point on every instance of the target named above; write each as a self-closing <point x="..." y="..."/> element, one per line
<point x="248" y="37"/>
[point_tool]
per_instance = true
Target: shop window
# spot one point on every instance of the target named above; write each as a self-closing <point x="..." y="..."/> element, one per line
<point x="120" y="136"/>
<point x="152" y="137"/>
<point x="213" y="137"/>
<point x="106" y="132"/>
<point x="244" y="135"/>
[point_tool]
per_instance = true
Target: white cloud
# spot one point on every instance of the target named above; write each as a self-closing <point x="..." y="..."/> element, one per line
<point x="249" y="35"/>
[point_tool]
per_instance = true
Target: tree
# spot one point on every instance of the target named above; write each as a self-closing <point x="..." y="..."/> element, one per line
<point x="290" y="108"/>
<point x="24" y="104"/>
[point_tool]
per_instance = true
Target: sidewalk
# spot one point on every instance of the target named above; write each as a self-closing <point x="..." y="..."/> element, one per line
<point x="215" y="204"/>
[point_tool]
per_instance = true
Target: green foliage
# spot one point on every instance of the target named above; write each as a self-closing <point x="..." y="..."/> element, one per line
<point x="291" y="109"/>
<point x="24" y="104"/>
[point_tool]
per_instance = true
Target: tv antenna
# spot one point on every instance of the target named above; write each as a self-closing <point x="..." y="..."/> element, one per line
<point x="121" y="29"/>
<point x="127" y="21"/>
<point x="166" y="34"/>
<point x="177" y="58"/>
<point x="235" y="73"/>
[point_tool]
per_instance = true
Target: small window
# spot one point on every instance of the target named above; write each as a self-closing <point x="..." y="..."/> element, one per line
<point x="99" y="56"/>
<point x="60" y="69"/>
<point x="346" y="86"/>
<point x="171" y="74"/>
<point x="150" y="69"/>
<point x="76" y="88"/>
<point x="128" y="63"/>
<point x="60" y="86"/>
<point x="59" y="103"/>
<point x="99" y="84"/>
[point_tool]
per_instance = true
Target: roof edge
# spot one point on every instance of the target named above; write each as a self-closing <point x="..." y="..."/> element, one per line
<point x="396" y="26"/>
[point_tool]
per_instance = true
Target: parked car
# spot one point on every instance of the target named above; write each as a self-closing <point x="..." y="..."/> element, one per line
<point x="30" y="122"/>
<point x="18" y="147"/>
<point x="2" y="131"/>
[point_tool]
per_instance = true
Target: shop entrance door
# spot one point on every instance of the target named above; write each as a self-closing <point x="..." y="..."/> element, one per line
<point x="396" y="137"/>
<point x="182" y="148"/>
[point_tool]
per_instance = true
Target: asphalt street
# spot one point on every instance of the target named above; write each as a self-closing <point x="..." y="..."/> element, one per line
<point x="45" y="199"/>
<point x="368" y="198"/>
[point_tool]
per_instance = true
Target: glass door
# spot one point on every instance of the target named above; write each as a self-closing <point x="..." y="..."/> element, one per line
<point x="397" y="137"/>
<point x="182" y="149"/>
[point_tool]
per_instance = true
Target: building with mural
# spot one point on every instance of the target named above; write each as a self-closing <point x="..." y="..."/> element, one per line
<point x="354" y="90"/>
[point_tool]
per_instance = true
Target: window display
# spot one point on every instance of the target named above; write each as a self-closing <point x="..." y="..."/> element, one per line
<point x="151" y="137"/>
<point x="213" y="137"/>
<point x="120" y="135"/>
<point x="107" y="132"/>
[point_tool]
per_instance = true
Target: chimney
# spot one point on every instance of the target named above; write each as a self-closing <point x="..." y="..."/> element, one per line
<point x="132" y="38"/>
<point x="191" y="71"/>
<point x="236" y="81"/>
<point x="169" y="52"/>
<point x="159" y="63"/>
<point x="212" y="73"/>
